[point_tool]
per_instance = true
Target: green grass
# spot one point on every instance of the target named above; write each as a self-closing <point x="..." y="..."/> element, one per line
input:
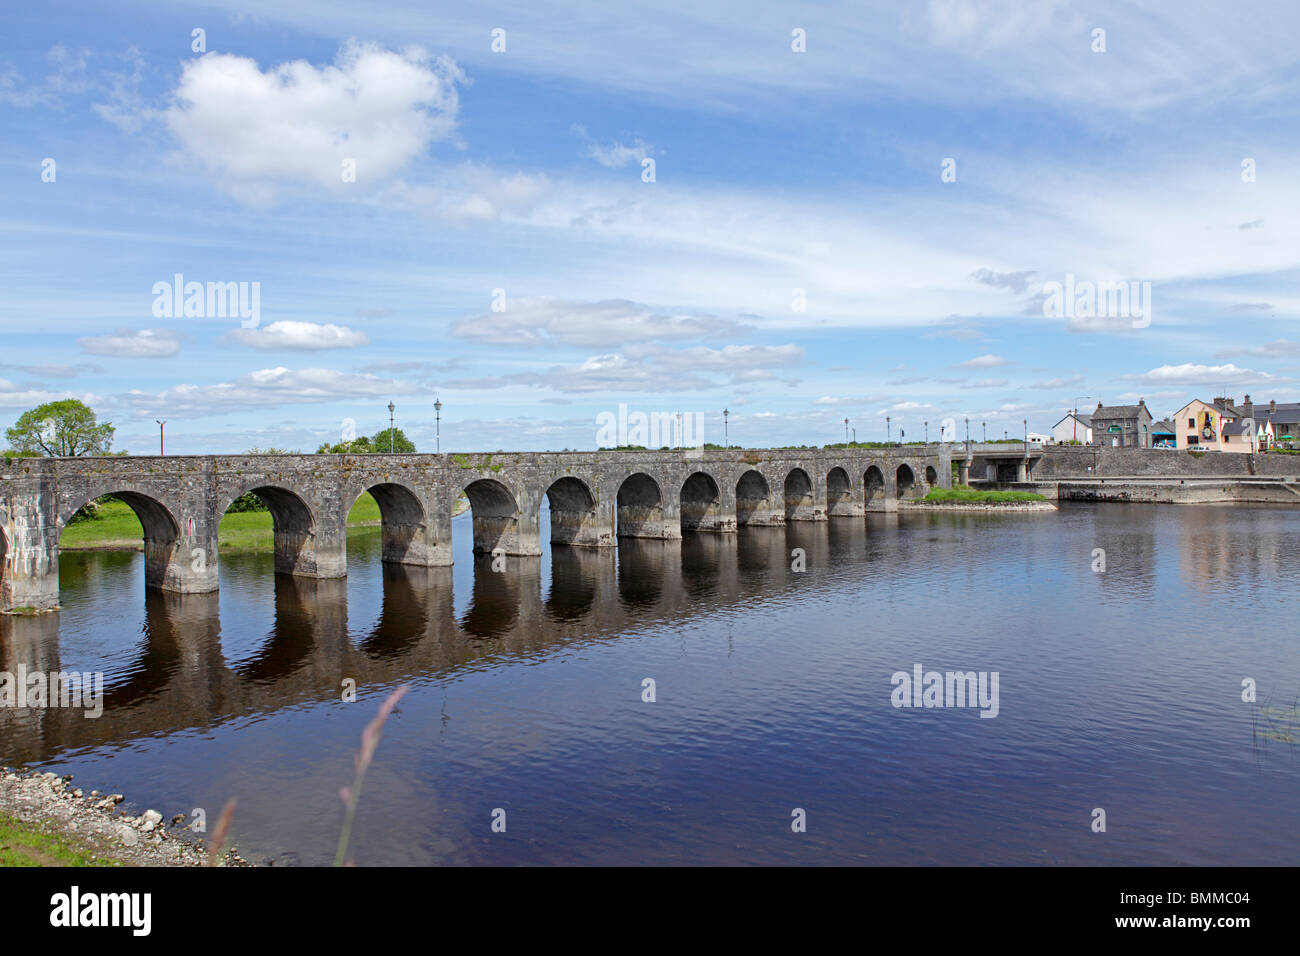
<point x="967" y="493"/>
<point x="21" y="844"/>
<point x="116" y="526"/>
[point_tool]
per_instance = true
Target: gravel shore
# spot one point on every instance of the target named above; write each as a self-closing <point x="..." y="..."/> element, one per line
<point x="51" y="804"/>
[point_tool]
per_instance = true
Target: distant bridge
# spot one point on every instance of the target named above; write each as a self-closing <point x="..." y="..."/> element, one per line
<point x="595" y="498"/>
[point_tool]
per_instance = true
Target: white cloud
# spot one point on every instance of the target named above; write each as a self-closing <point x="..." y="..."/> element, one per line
<point x="610" y="322"/>
<point x="1209" y="375"/>
<point x="266" y="388"/>
<point x="145" y="343"/>
<point x="305" y="336"/>
<point x="986" y="361"/>
<point x="297" y="122"/>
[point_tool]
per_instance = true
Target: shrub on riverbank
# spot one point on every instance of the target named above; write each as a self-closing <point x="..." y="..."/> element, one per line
<point x="968" y="494"/>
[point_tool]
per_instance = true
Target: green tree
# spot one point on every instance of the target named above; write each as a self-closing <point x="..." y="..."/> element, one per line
<point x="379" y="442"/>
<point x="66" y="428"/>
<point x="358" y="446"/>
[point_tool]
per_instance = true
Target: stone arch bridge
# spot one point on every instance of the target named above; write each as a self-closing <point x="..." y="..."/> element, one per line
<point x="594" y="499"/>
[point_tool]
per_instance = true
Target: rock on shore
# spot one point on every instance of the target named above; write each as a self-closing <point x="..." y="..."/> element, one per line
<point x="48" y="802"/>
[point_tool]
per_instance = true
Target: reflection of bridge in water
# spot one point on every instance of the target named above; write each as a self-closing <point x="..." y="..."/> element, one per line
<point x="183" y="680"/>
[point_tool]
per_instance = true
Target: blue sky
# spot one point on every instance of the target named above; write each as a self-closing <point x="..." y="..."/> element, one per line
<point x="522" y="171"/>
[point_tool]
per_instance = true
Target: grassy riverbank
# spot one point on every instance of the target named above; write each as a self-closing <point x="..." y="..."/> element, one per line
<point x="25" y="844"/>
<point x="116" y="527"/>
<point x="967" y="494"/>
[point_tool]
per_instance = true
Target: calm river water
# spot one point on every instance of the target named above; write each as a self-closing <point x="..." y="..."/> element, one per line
<point x="1120" y="690"/>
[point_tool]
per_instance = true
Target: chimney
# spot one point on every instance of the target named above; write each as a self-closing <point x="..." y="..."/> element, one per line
<point x="1272" y="405"/>
<point x="1247" y="407"/>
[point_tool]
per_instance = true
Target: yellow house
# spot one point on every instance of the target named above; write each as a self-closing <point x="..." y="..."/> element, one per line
<point x="1213" y="426"/>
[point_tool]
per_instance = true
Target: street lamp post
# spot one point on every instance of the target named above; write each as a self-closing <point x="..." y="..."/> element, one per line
<point x="846" y="431"/>
<point x="437" y="422"/>
<point x="968" y="436"/>
<point x="726" y="435"/>
<point x="391" y="436"/>
<point x="1075" y="414"/>
<point x="161" y="422"/>
<point x="927" y="432"/>
<point x="887" y="436"/>
<point x="855" y="437"/>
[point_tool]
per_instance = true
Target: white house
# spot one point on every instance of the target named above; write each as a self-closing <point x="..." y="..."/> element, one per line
<point x="1073" y="427"/>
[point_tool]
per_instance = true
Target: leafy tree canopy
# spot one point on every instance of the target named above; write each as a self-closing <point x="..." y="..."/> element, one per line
<point x="376" y="443"/>
<point x="65" y="428"/>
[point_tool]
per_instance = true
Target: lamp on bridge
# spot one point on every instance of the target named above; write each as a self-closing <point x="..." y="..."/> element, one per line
<point x="985" y="426"/>
<point x="927" y="432"/>
<point x="726" y="439"/>
<point x="437" y="420"/>
<point x="391" y="408"/>
<point x="887" y="438"/>
<point x="846" y="431"/>
<point x="161" y="422"/>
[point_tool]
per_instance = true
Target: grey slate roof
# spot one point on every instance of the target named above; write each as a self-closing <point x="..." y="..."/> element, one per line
<point x="1107" y="412"/>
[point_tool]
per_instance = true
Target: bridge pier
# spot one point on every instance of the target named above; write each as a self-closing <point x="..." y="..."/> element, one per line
<point x="29" y="544"/>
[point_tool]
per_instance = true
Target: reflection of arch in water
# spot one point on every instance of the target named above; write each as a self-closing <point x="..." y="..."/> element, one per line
<point x="640" y="508"/>
<point x="641" y="566"/>
<point x="309" y="613"/>
<point x="294" y="528"/>
<point x="701" y="503"/>
<point x="181" y="631"/>
<point x="701" y="565"/>
<point x="574" y="520"/>
<point x="404" y="615"/>
<point x="798" y="496"/>
<point x="839" y="493"/>
<point x="494" y="602"/>
<point x="575" y="578"/>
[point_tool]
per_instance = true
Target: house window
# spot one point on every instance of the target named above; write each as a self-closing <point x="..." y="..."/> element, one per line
<point x="1191" y="423"/>
<point x="1193" y="440"/>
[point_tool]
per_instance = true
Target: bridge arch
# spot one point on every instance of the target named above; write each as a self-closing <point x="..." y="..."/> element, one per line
<point x="798" y="495"/>
<point x="293" y="524"/>
<point x="164" y="564"/>
<point x="494" y="511"/>
<point x="639" y="505"/>
<point x="404" y="524"/>
<point x="754" y="500"/>
<point x="906" y="479"/>
<point x="574" y="517"/>
<point x="873" y="485"/>
<point x="839" y="492"/>
<point x="931" y="476"/>
<point x="701" y="502"/>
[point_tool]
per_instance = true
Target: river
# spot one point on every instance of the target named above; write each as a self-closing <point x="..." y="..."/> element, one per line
<point x="1118" y="689"/>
